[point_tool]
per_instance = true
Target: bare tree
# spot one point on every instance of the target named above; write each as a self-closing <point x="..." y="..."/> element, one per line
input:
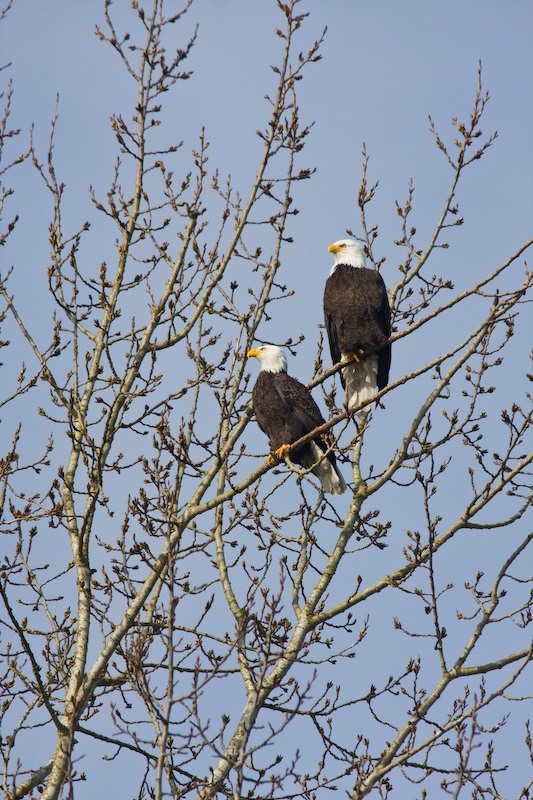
<point x="175" y="597"/>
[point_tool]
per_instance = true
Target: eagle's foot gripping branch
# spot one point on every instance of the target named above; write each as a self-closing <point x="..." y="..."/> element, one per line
<point x="356" y="356"/>
<point x="280" y="452"/>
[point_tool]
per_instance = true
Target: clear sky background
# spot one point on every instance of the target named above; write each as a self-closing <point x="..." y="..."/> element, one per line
<point x="386" y="66"/>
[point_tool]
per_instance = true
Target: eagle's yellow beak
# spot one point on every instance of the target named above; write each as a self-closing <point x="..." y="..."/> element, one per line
<point x="334" y="248"/>
<point x="252" y="353"/>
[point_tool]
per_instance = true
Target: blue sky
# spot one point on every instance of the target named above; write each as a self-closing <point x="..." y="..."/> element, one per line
<point x="386" y="66"/>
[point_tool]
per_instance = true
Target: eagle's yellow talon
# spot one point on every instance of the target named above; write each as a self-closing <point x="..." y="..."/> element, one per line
<point x="357" y="356"/>
<point x="280" y="452"/>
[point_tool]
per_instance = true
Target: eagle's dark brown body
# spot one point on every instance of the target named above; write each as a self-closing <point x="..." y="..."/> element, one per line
<point x="357" y="314"/>
<point x="286" y="411"/>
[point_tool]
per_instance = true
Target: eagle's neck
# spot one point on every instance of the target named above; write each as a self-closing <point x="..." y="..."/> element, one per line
<point x="346" y="264"/>
<point x="274" y="363"/>
<point x="356" y="260"/>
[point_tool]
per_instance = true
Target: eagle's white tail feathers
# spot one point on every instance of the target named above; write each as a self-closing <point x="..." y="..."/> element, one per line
<point x="330" y="478"/>
<point x="361" y="381"/>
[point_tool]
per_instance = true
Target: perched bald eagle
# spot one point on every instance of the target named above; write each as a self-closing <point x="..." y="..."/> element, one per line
<point x="357" y="313"/>
<point x="286" y="411"/>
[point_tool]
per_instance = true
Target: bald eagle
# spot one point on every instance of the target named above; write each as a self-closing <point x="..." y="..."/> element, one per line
<point x="286" y="411"/>
<point x="357" y="313"/>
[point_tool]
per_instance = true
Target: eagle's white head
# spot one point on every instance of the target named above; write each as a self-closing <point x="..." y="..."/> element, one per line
<point x="349" y="252"/>
<point x="271" y="357"/>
